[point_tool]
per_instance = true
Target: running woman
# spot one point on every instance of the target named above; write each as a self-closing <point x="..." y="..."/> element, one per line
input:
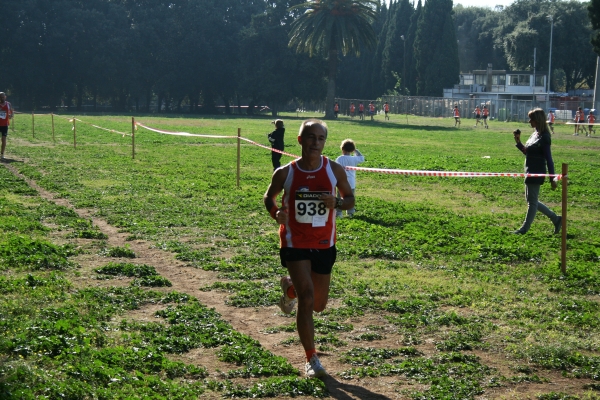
<point x="456" y="114"/>
<point x="551" y="118"/>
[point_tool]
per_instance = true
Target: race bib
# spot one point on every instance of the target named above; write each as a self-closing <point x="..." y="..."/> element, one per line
<point x="311" y="210"/>
<point x="2" y="114"/>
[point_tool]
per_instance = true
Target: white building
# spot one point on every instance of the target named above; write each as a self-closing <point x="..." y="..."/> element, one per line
<point x="493" y="84"/>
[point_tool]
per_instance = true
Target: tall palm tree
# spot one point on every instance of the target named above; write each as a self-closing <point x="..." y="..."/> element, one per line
<point x="330" y="26"/>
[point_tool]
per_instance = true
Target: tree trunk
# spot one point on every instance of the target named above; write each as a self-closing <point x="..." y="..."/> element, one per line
<point x="79" y="106"/>
<point x="332" y="63"/>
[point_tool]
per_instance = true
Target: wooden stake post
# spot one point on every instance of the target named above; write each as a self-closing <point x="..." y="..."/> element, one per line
<point x="74" y="134"/>
<point x="563" y="251"/>
<point x="32" y="125"/>
<point x="54" y="140"/>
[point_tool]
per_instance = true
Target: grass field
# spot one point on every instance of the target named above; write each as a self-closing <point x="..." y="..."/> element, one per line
<point x="432" y="296"/>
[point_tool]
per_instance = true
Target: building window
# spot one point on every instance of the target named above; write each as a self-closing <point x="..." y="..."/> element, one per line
<point x="498" y="79"/>
<point x="539" y="80"/>
<point x="467" y="79"/>
<point x="519" y="80"/>
<point x="480" y="79"/>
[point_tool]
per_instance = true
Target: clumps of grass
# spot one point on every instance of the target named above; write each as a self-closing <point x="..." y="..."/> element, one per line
<point x="343" y="313"/>
<point x="375" y="356"/>
<point x="258" y="362"/>
<point x="557" y="396"/>
<point x="119" y="252"/>
<point x="248" y="294"/>
<point x="272" y="387"/>
<point x="324" y="326"/>
<point x="368" y="336"/>
<point x="450" y="375"/>
<point x="26" y="253"/>
<point x="152" y="281"/>
<point x="456" y="341"/>
<point x="572" y="363"/>
<point x="88" y="234"/>
<point x="145" y="275"/>
<point x="127" y="269"/>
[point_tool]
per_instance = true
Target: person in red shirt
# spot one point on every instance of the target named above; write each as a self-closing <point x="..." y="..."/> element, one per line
<point x="486" y="112"/>
<point x="6" y="113"/>
<point x="361" y="111"/>
<point x="307" y="231"/>
<point x="386" y="109"/>
<point x="336" y="109"/>
<point x="477" y="113"/>
<point x="579" y="122"/>
<point x="372" y="110"/>
<point x="551" y="120"/>
<point x="456" y="115"/>
<point x="352" y="109"/>
<point x="591" y="120"/>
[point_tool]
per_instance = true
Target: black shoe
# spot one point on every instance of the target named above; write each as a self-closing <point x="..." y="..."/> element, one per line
<point x="558" y="225"/>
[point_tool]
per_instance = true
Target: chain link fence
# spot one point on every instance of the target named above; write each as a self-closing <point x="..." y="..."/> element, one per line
<point x="440" y="107"/>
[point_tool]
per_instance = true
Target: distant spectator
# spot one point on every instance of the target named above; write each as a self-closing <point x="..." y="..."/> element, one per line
<point x="276" y="139"/>
<point x="6" y="113"/>
<point x="591" y="121"/>
<point x="348" y="160"/>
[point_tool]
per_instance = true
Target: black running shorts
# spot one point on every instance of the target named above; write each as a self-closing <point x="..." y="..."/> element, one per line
<point x="321" y="260"/>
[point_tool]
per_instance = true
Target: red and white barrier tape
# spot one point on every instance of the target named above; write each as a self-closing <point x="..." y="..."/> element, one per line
<point x="452" y="174"/>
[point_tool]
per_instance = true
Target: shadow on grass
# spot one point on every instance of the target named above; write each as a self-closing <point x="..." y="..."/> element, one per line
<point x="343" y="391"/>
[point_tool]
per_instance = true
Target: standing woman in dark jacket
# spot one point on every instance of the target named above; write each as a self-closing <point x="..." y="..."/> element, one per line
<point x="276" y="139"/>
<point x="537" y="157"/>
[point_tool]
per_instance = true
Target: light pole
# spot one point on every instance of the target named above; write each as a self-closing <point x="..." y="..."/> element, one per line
<point x="404" y="73"/>
<point x="550" y="58"/>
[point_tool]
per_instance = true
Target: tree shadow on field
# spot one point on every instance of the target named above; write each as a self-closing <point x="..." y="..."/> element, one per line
<point x="395" y="126"/>
<point x="343" y="391"/>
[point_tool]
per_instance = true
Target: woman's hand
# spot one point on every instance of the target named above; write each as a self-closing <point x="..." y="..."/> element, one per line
<point x="553" y="184"/>
<point x="517" y="136"/>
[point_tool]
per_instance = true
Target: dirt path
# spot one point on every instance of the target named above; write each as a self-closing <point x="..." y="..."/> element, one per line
<point x="250" y="321"/>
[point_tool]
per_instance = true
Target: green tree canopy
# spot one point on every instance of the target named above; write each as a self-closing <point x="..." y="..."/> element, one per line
<point x="329" y="27"/>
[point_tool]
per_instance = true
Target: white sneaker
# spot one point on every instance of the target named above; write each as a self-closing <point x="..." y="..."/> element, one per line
<point x="285" y="303"/>
<point x="314" y="369"/>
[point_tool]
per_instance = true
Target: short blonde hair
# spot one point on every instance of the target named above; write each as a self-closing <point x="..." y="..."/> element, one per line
<point x="278" y="123"/>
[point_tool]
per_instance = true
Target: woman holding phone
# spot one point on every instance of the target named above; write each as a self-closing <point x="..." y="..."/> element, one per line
<point x="537" y="157"/>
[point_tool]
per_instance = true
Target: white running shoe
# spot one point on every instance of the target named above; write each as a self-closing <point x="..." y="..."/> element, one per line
<point x="285" y="303"/>
<point x="314" y="369"/>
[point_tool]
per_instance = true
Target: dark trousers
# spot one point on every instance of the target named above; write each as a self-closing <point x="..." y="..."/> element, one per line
<point x="275" y="159"/>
